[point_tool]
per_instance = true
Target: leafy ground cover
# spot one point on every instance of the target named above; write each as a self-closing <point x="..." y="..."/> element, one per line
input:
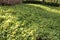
<point x="29" y="22"/>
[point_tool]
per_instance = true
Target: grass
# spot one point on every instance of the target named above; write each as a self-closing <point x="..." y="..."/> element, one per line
<point x="29" y="22"/>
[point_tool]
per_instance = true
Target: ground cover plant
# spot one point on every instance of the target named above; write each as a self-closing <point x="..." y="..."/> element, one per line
<point x="29" y="22"/>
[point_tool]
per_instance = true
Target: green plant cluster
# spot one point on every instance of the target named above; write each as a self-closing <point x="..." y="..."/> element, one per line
<point x="26" y="22"/>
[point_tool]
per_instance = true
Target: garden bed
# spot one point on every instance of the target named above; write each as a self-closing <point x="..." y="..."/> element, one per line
<point x="29" y="22"/>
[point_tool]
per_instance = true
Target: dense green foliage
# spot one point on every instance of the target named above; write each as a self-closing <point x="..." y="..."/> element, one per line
<point x="47" y="1"/>
<point x="29" y="22"/>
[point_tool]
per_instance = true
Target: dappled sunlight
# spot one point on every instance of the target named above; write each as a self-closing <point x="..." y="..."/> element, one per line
<point x="45" y="8"/>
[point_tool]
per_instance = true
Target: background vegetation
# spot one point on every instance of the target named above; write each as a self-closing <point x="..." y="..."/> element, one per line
<point x="47" y="1"/>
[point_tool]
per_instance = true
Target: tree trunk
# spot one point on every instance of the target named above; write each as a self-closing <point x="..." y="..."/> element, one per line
<point x="57" y="1"/>
<point x="10" y="1"/>
<point x="43" y="0"/>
